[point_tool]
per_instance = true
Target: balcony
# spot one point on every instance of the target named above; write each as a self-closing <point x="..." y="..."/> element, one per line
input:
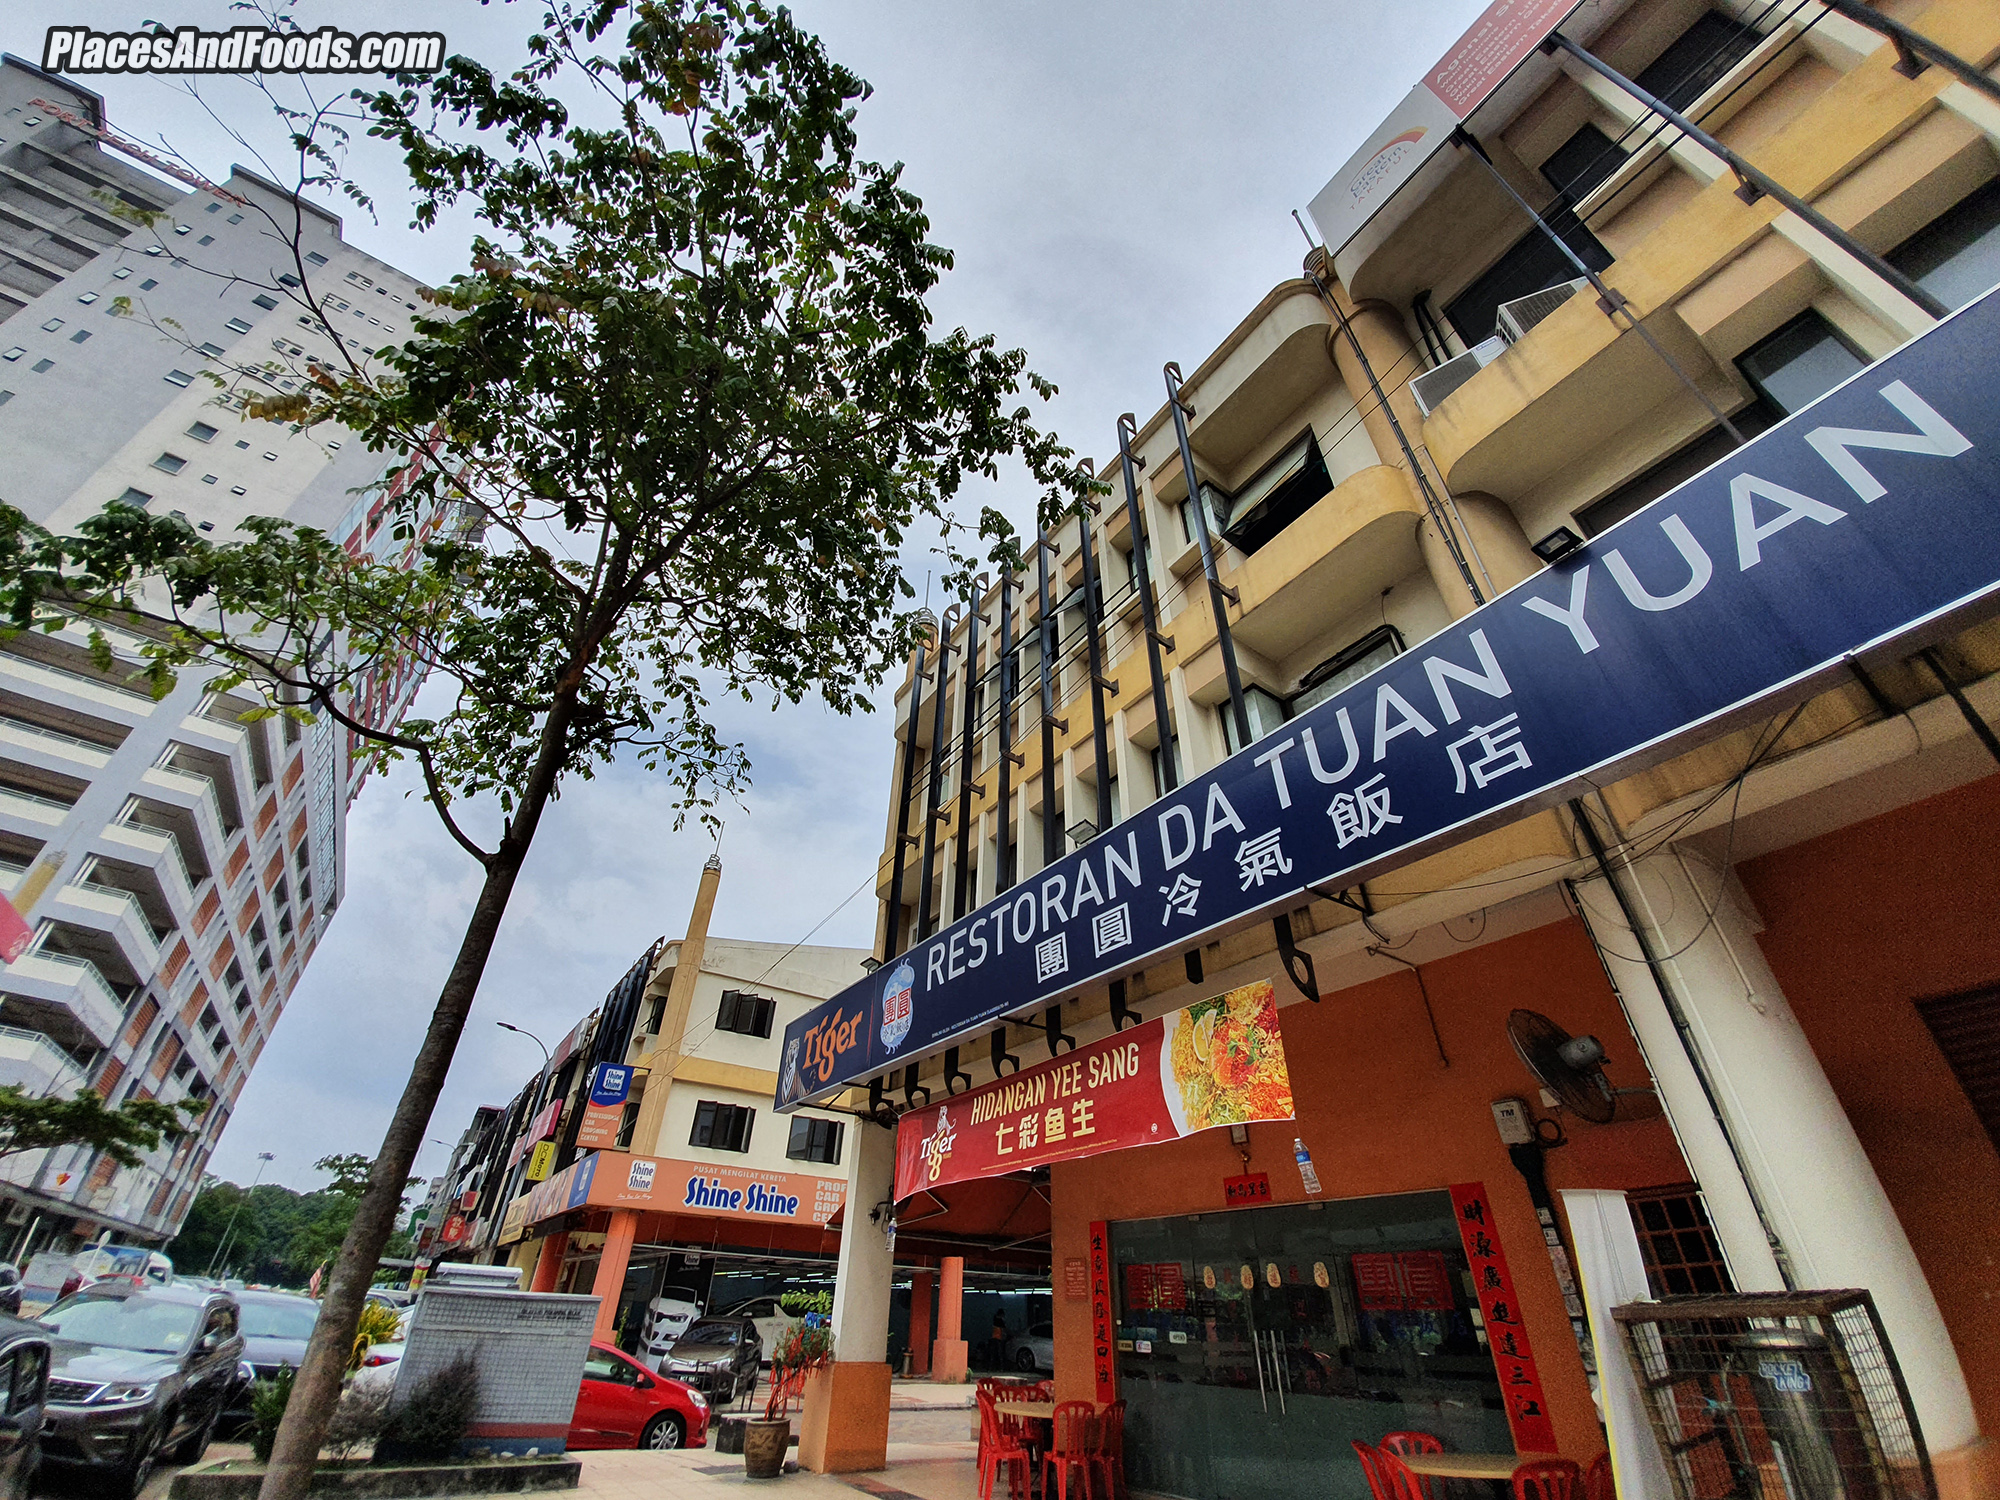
<point x="31" y="807"/>
<point x="67" y="998"/>
<point x="159" y="851"/>
<point x="44" y="680"/>
<point x="47" y="746"/>
<point x="116" y="913"/>
<point x="33" y="1064"/>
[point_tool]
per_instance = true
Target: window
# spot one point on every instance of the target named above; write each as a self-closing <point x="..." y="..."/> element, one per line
<point x="722" y="1127"/>
<point x="314" y="258"/>
<point x="1532" y="264"/>
<point x="609" y="1368"/>
<point x="148" y="284"/>
<point x="270" y="457"/>
<point x="1697" y="58"/>
<point x="5" y="397"/>
<point x="42" y="366"/>
<point x="1800" y="362"/>
<point x="80" y="336"/>
<point x="235" y="219"/>
<point x="286" y="278"/>
<point x="52" y="325"/>
<point x="201" y="432"/>
<point x="183" y="229"/>
<point x="1677" y="1243"/>
<point x="627" y="1119"/>
<point x="745" y="1014"/>
<point x="234" y="489"/>
<point x="1966" y="1029"/>
<point x="1345" y="666"/>
<point x="135" y="499"/>
<point x="1265" y="710"/>
<point x="121" y="273"/>
<point x="211" y="479"/>
<point x="243" y="442"/>
<point x="179" y="377"/>
<point x="237" y="325"/>
<point x="170" y="463"/>
<point x="1281" y="492"/>
<point x="1601" y="515"/>
<point x="213" y="351"/>
<point x="814" y="1140"/>
<point x="265" y="301"/>
<point x="334" y="444"/>
<point x="213" y="208"/>
<point x="14" y="353"/>
<point x="207" y="239"/>
<point x="1956" y="256"/>
<point x="204" y="525"/>
<point x="87" y="298"/>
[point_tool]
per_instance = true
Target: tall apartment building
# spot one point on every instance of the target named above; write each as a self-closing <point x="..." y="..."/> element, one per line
<point x="178" y="865"/>
<point x="1427" y="471"/>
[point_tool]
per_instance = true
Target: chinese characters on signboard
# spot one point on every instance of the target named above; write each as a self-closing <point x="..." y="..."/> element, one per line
<point x="1506" y="1329"/>
<point x="1103" y="1332"/>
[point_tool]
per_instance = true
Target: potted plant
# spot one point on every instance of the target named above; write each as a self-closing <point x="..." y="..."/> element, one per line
<point x="805" y="1345"/>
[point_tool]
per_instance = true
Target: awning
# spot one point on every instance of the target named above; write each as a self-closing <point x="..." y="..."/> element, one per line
<point x="613" y="1179"/>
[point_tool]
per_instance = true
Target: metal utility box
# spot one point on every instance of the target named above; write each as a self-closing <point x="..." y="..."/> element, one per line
<point x="529" y="1348"/>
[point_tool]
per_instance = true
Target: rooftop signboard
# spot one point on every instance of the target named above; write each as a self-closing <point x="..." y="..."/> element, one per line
<point x="1861" y="520"/>
<point x="1505" y="35"/>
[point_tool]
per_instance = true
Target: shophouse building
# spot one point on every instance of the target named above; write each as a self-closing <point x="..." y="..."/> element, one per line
<point x="1565" y="668"/>
<point x="177" y="864"/>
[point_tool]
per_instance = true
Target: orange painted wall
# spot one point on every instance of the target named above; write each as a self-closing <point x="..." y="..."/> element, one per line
<point x="1859" y="924"/>
<point x="1381" y="1114"/>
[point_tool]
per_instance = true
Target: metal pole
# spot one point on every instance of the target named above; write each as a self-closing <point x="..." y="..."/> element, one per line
<point x="1093" y="622"/>
<point x="893" y="943"/>
<point x="1755" y="182"/>
<point x="1009" y="676"/>
<point x="263" y="1157"/>
<point x="1610" y="301"/>
<point x="959" y="891"/>
<point x="926" y="894"/>
<point x="1128" y="429"/>
<point x="1913" y="49"/>
<point x="1216" y="592"/>
<point x="1051" y="829"/>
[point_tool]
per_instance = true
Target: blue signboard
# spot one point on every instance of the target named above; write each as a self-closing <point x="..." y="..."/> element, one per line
<point x="610" y="1083"/>
<point x="1869" y="514"/>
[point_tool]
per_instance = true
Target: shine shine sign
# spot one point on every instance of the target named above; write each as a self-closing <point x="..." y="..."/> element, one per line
<point x="1871" y="517"/>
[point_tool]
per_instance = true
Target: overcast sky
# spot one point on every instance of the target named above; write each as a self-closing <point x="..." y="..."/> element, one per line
<point x="1116" y="181"/>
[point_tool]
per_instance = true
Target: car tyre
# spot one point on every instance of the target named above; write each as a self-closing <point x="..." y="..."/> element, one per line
<point x="131" y="1479"/>
<point x="1025" y="1360"/>
<point x="666" y="1431"/>
<point x="195" y="1444"/>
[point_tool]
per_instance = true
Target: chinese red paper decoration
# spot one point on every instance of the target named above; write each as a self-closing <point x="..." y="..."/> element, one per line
<point x="1506" y="1330"/>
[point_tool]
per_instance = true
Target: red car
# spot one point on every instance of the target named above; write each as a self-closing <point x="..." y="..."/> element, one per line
<point x="622" y="1404"/>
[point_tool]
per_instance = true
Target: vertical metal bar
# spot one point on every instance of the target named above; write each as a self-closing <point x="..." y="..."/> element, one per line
<point x="1128" y="429"/>
<point x="960" y="887"/>
<point x="894" y="938"/>
<point x="1051" y="825"/>
<point x="1755" y="181"/>
<point x="1216" y="593"/>
<point x="1611" y="301"/>
<point x="1257" y="1353"/>
<point x="1093" y="623"/>
<point x="1009" y="674"/>
<point x="926" y="895"/>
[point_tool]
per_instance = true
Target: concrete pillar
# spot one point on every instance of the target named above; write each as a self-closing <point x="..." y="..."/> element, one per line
<point x="949" y="1355"/>
<point x="844" y="1428"/>
<point x="548" y="1265"/>
<point x="665" y="1053"/>
<point x="923" y="1286"/>
<point x="1798" y="1153"/>
<point x="1498" y="554"/>
<point x="611" y="1264"/>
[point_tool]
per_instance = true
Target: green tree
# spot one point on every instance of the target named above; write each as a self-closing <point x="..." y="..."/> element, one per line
<point x="125" y="1134"/>
<point x="690" y="403"/>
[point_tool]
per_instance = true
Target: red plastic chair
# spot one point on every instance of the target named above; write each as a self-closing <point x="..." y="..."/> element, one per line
<point x="1069" y="1448"/>
<point x="1109" y="1453"/>
<point x="1403" y="1445"/>
<point x="1404" y="1483"/>
<point x="1548" y="1479"/>
<point x="998" y="1446"/>
<point x="1371" y="1469"/>
<point x="1597" y="1482"/>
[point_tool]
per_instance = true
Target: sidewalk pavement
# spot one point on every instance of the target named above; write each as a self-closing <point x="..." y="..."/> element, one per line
<point x="916" y="1471"/>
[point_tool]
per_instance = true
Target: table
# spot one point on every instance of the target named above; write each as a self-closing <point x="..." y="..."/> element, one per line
<point x="1039" y="1411"/>
<point x="1469" y="1465"/>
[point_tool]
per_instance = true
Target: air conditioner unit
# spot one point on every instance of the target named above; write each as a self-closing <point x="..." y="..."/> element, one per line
<point x="1431" y="387"/>
<point x="1523" y="313"/>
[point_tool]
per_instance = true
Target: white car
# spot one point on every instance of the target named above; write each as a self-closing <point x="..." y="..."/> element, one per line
<point x="1034" y="1348"/>
<point x="667" y="1318"/>
<point x="378" y="1366"/>
<point x="771" y="1321"/>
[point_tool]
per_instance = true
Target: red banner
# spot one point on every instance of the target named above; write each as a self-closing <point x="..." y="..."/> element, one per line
<point x="1506" y="1329"/>
<point x="1103" y="1327"/>
<point x="1219" y="1062"/>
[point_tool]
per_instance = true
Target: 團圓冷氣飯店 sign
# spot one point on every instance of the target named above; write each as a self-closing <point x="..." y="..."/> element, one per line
<point x="1866" y="519"/>
<point x="1220" y="1061"/>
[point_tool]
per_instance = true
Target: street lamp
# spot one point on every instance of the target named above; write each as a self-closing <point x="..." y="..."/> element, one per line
<point x="510" y="1026"/>
<point x="262" y="1158"/>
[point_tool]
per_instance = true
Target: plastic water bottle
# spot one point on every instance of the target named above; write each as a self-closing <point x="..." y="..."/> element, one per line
<point x="1306" y="1173"/>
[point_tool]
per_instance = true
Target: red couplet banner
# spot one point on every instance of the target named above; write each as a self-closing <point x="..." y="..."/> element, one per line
<point x="1506" y="1329"/>
<point x="1221" y="1061"/>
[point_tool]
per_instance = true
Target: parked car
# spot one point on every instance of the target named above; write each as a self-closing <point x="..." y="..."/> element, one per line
<point x="718" y="1357"/>
<point x="10" y="1289"/>
<point x="771" y="1320"/>
<point x="622" y="1404"/>
<point x="667" y="1318"/>
<point x="137" y="1375"/>
<point x="24" y="1378"/>
<point x="378" y="1365"/>
<point x="1034" y="1348"/>
<point x="277" y="1326"/>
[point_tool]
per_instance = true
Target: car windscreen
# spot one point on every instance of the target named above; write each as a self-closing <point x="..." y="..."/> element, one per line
<point x="712" y="1333"/>
<point x="279" y="1320"/>
<point x="125" y="1323"/>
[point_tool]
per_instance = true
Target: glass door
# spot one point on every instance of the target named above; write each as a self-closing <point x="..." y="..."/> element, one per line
<point x="1253" y="1345"/>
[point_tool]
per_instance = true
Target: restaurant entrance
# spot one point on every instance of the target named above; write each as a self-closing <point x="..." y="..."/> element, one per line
<point x="1254" y="1344"/>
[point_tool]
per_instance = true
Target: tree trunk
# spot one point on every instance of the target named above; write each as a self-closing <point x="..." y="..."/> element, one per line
<point x="316" y="1391"/>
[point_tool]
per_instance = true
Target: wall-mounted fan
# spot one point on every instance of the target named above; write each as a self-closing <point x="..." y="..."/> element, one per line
<point x="1569" y="1067"/>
